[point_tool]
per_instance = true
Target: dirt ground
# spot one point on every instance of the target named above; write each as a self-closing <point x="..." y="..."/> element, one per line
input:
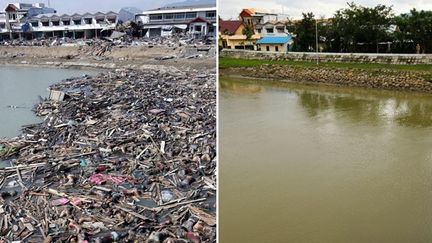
<point x="135" y="57"/>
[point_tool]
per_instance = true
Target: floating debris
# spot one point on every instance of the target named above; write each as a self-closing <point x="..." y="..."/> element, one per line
<point x="126" y="156"/>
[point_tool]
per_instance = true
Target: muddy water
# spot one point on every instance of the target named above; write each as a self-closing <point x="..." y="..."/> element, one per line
<point x="324" y="164"/>
<point x="19" y="91"/>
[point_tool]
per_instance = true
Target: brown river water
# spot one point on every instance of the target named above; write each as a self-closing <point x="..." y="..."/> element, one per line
<point x="303" y="163"/>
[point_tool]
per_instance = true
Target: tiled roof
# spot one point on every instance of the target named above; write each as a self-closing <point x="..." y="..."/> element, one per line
<point x="200" y="20"/>
<point x="229" y="26"/>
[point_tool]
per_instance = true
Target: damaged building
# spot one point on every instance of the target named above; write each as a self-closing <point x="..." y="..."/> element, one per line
<point x="198" y="21"/>
<point x="28" y="21"/>
<point x="76" y="26"/>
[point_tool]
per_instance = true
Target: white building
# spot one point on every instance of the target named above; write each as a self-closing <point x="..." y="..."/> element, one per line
<point x="197" y="20"/>
<point x="28" y="21"/>
<point x="275" y="28"/>
<point x="73" y="26"/>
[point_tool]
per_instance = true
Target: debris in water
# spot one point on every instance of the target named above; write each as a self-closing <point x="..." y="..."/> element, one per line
<point x="126" y="156"/>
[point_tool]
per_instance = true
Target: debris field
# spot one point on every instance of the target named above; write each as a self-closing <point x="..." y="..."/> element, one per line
<point x="125" y="156"/>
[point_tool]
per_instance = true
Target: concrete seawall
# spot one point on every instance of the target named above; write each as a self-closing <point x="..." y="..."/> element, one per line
<point x="331" y="57"/>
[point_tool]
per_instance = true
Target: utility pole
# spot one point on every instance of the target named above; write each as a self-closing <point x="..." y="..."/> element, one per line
<point x="316" y="40"/>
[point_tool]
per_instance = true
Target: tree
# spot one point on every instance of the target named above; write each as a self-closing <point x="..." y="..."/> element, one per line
<point x="305" y="33"/>
<point x="248" y="31"/>
<point x="359" y="28"/>
<point x="415" y="28"/>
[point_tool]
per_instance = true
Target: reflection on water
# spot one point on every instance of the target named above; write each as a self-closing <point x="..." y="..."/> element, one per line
<point x="385" y="109"/>
<point x="324" y="164"/>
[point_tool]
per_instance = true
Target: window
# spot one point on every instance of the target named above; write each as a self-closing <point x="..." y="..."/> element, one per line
<point x="112" y="19"/>
<point x="198" y="28"/>
<point x="267" y="48"/>
<point x="77" y="21"/>
<point x="259" y="31"/>
<point x="66" y="22"/>
<point x="168" y="16"/>
<point x="211" y="29"/>
<point x="211" y="15"/>
<point x="35" y="24"/>
<point x="88" y="21"/>
<point x="100" y="20"/>
<point x="156" y="17"/>
<point x="269" y="30"/>
<point x="191" y="15"/>
<point x="45" y="23"/>
<point x="179" y="16"/>
<point x="56" y="23"/>
<point x="276" y="48"/>
<point x="280" y="29"/>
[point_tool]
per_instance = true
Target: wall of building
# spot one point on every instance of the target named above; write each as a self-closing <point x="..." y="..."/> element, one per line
<point x="273" y="48"/>
<point x="332" y="57"/>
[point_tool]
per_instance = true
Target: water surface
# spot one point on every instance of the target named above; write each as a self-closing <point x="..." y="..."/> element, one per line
<point x="323" y="164"/>
<point x="20" y="88"/>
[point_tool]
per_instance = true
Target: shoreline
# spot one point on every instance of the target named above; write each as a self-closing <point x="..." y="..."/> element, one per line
<point x="125" y="150"/>
<point x="372" y="78"/>
<point x="129" y="57"/>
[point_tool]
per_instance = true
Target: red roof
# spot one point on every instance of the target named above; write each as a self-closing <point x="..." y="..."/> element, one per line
<point x="229" y="26"/>
<point x="11" y="8"/>
<point x="247" y="13"/>
<point x="200" y="20"/>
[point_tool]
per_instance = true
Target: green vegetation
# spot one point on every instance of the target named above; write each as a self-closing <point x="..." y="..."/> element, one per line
<point x="225" y="62"/>
<point x="366" y="29"/>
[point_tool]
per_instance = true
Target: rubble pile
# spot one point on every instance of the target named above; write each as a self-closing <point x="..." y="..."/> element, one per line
<point x="126" y="156"/>
<point x="118" y="39"/>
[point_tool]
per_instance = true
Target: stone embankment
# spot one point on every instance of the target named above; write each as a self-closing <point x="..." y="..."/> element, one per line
<point x="380" y="78"/>
<point x="332" y="57"/>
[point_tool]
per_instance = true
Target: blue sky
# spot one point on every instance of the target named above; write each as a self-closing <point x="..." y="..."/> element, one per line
<point x="82" y="6"/>
<point x="293" y="8"/>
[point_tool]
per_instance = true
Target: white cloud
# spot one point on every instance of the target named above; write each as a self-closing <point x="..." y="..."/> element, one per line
<point x="230" y="9"/>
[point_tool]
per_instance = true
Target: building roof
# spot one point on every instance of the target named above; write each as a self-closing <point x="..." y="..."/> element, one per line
<point x="247" y="12"/>
<point x="200" y="20"/>
<point x="250" y="12"/>
<point x="274" y="40"/>
<point x="180" y="9"/>
<point x="184" y="7"/>
<point x="11" y="7"/>
<point x="76" y="15"/>
<point x="229" y="26"/>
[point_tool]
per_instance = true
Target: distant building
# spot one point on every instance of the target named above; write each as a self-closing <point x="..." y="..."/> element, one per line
<point x="10" y="20"/>
<point x="268" y="33"/>
<point x="253" y="17"/>
<point x="128" y="14"/>
<point x="231" y="35"/>
<point x="275" y="43"/>
<point x="30" y="21"/>
<point x="74" y="26"/>
<point x="197" y="20"/>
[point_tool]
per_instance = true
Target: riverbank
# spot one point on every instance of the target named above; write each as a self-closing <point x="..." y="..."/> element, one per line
<point x="416" y="78"/>
<point x="130" y="57"/>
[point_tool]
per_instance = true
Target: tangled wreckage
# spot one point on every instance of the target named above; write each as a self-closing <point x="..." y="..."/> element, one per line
<point x="125" y="156"/>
